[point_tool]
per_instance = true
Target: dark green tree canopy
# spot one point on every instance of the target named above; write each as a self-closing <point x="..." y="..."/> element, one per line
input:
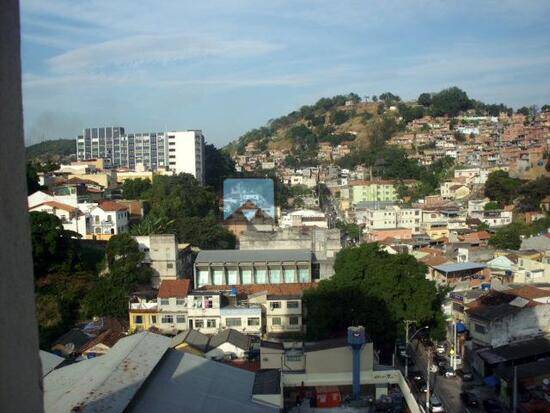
<point x="425" y="99"/>
<point x="375" y="289"/>
<point x="136" y="188"/>
<point x="500" y="187"/>
<point x="450" y="102"/>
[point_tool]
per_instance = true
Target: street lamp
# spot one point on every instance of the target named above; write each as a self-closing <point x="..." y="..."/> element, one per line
<point x="407" y="341"/>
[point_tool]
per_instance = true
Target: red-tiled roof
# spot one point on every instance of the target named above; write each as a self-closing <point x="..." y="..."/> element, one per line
<point x="529" y="292"/>
<point x="174" y="288"/>
<point x="57" y="205"/>
<point x="433" y="260"/>
<point x="112" y="206"/>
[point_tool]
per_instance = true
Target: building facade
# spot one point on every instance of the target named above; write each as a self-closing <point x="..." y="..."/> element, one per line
<point x="181" y="152"/>
<point x="239" y="267"/>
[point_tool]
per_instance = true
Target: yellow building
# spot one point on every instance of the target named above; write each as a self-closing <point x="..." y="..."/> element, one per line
<point x="142" y="319"/>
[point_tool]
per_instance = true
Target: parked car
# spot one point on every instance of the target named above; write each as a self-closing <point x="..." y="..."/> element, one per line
<point x="435" y="405"/>
<point x="465" y="375"/>
<point x="469" y="399"/>
<point x="446" y="371"/>
<point x="440" y="349"/>
<point x="492" y="406"/>
<point x="415" y="376"/>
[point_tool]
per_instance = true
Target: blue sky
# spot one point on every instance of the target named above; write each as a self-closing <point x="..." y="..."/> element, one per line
<point x="226" y="66"/>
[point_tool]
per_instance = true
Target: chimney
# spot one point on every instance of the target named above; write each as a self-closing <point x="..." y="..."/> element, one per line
<point x="356" y="340"/>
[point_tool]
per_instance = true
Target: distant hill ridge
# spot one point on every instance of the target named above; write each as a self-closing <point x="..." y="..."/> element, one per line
<point x="55" y="148"/>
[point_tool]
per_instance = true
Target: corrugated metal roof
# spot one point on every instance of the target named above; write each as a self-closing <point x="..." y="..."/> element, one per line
<point x="49" y="361"/>
<point x="187" y="383"/>
<point x="207" y="256"/>
<point x="459" y="266"/>
<point x="107" y="383"/>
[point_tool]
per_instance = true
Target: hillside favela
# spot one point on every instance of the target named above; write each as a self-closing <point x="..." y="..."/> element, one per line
<point x="276" y="237"/>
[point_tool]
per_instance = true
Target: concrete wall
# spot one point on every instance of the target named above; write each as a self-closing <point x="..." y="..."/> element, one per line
<point x="20" y="371"/>
<point x="337" y="360"/>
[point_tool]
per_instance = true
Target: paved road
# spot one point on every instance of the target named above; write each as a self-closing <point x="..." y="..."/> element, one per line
<point x="447" y="389"/>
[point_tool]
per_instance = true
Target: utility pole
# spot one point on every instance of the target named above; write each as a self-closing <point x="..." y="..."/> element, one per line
<point x="515" y="395"/>
<point x="428" y="381"/>
<point x="407" y="322"/>
<point x="454" y="345"/>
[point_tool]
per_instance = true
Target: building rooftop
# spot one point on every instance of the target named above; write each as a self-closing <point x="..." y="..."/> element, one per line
<point x="231" y="336"/>
<point x="209" y="256"/>
<point x="174" y="288"/>
<point x="267" y="381"/>
<point x="515" y="351"/>
<point x="459" y="266"/>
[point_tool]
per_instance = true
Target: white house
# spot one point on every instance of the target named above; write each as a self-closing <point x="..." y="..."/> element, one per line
<point x="172" y="305"/>
<point x="108" y="219"/>
<point x="229" y="343"/>
<point x="304" y="218"/>
<point x="204" y="311"/>
<point x="71" y="218"/>
<point x="247" y="320"/>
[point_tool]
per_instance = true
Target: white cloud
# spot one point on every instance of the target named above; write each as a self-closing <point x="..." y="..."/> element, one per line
<point x="153" y="49"/>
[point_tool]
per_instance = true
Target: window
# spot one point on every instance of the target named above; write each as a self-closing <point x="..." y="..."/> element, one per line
<point x="261" y="276"/>
<point x="253" y="321"/>
<point x="217" y="276"/>
<point x="275" y="305"/>
<point x="276" y="321"/>
<point x="138" y="319"/>
<point x="232" y="277"/>
<point x="479" y="329"/>
<point x="164" y="301"/>
<point x="293" y="304"/>
<point x="180" y="319"/>
<point x="199" y="323"/>
<point x="275" y="276"/>
<point x="169" y="265"/>
<point x="153" y="319"/>
<point x="211" y="323"/>
<point x="233" y="322"/>
<point x="303" y="275"/>
<point x="247" y="276"/>
<point x="203" y="278"/>
<point x="180" y="301"/>
<point x="293" y="321"/>
<point x="290" y="275"/>
<point x="167" y="319"/>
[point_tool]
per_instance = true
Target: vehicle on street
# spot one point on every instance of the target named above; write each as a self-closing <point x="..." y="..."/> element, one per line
<point x="435" y="405"/>
<point x="492" y="406"/>
<point x="469" y="399"/>
<point x="465" y="375"/>
<point x="446" y="371"/>
<point x="440" y="349"/>
<point x="415" y="375"/>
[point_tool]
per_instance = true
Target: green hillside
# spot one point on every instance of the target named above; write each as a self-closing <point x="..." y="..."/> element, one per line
<point x="55" y="149"/>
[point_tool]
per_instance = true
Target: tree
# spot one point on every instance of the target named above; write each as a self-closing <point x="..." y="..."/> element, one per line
<point x="523" y="111"/>
<point x="52" y="246"/>
<point x="507" y="238"/>
<point x="136" y="188"/>
<point x="532" y="193"/>
<point x="491" y="206"/>
<point x="217" y="166"/>
<point x="545" y="108"/>
<point x="125" y="261"/>
<point x="425" y="99"/>
<point x="377" y="290"/>
<point x="107" y="298"/>
<point x="500" y="187"/>
<point x="450" y="102"/>
<point x="32" y="179"/>
<point x="205" y="233"/>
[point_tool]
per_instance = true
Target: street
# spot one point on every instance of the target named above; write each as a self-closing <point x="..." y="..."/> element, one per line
<point x="446" y="389"/>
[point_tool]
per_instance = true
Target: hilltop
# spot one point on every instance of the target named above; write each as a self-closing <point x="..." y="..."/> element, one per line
<point x="356" y="122"/>
<point x="52" y="149"/>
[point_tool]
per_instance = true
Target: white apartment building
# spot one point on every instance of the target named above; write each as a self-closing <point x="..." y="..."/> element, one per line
<point x="71" y="217"/>
<point x="390" y="218"/>
<point x="247" y="320"/>
<point x="304" y="218"/>
<point x="181" y="151"/>
<point x="204" y="311"/>
<point x="494" y="218"/>
<point x="161" y="254"/>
